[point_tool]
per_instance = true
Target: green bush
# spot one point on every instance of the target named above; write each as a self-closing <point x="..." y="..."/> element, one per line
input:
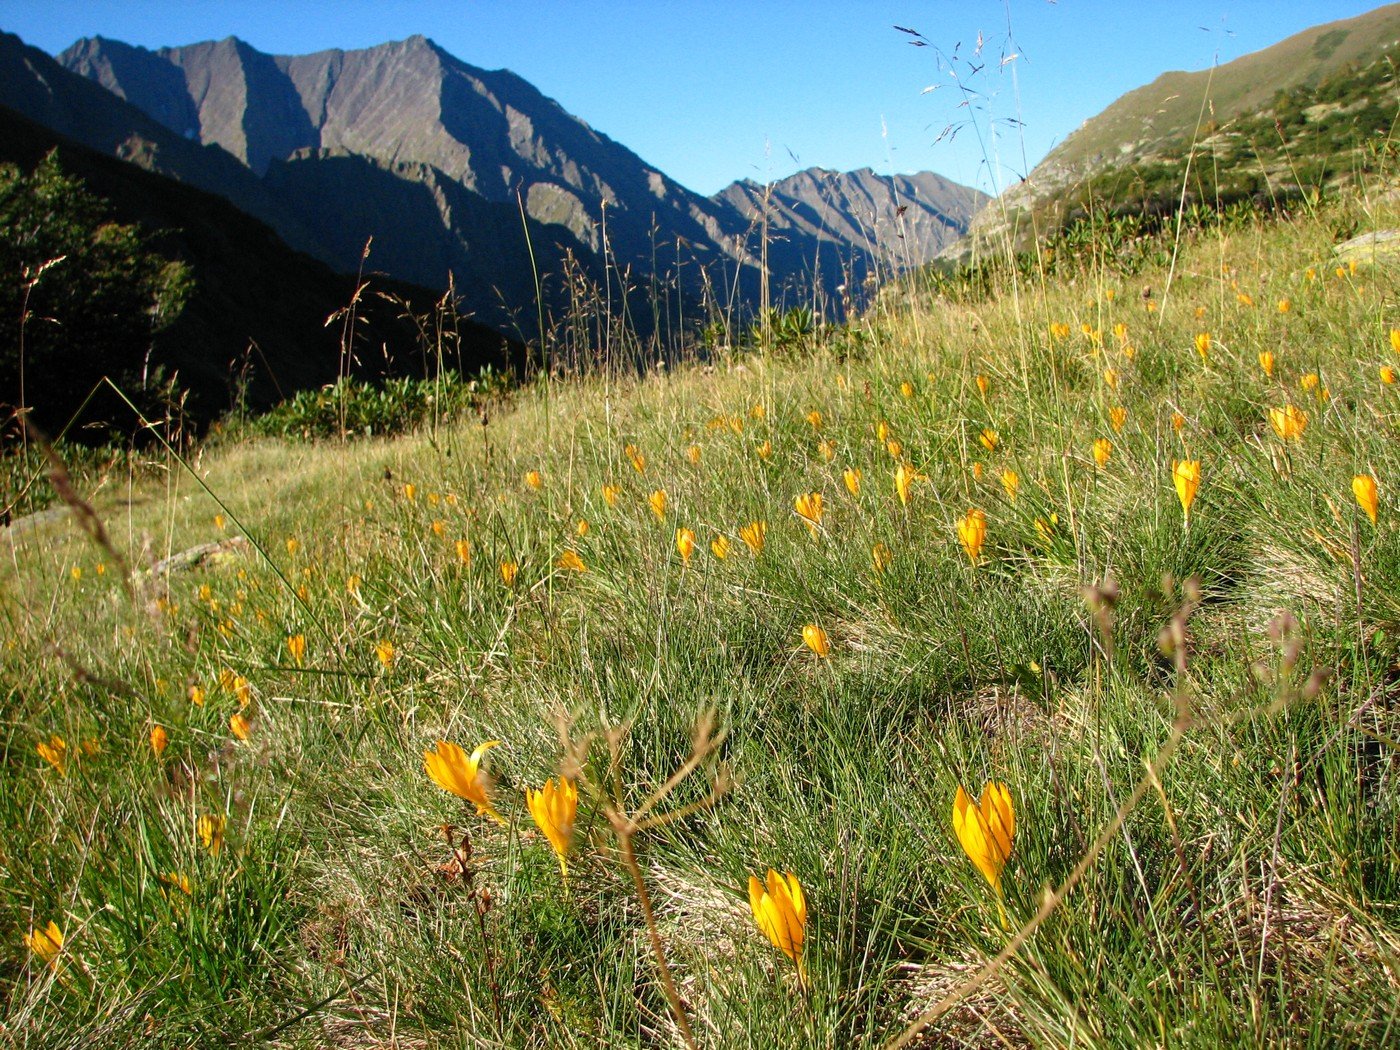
<point x="355" y="408"/>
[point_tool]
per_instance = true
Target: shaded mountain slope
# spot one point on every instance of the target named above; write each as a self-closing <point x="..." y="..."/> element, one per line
<point x="257" y="311"/>
<point x="861" y="223"/>
<point x="409" y="107"/>
<point x="34" y="85"/>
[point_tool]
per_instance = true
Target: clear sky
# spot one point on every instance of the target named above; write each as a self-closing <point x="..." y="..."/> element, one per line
<point x="710" y="91"/>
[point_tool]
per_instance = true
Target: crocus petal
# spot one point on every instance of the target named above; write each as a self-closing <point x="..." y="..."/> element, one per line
<point x="785" y="915"/>
<point x="799" y="902"/>
<point x="756" y="900"/>
<point x="1000" y="817"/>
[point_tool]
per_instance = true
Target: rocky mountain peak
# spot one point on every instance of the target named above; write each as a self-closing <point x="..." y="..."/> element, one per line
<point x="433" y="157"/>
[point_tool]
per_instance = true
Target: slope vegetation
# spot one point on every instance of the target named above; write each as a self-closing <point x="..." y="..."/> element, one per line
<point x="1125" y="565"/>
<point x="1288" y="122"/>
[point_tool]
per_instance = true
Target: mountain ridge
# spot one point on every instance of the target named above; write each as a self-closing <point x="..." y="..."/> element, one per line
<point x="426" y="118"/>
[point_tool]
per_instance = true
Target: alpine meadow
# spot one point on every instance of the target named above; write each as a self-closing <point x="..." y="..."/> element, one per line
<point x="987" y="637"/>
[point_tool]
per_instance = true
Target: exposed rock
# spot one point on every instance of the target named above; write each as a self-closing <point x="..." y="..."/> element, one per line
<point x="433" y="156"/>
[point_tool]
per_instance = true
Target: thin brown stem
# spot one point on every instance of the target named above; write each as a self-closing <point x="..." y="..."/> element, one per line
<point x="624" y="838"/>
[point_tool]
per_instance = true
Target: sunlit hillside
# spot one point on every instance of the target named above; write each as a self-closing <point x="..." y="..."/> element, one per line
<point x="1116" y="555"/>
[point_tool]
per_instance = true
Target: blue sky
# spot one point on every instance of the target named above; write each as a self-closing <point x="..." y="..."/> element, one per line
<point x="711" y="91"/>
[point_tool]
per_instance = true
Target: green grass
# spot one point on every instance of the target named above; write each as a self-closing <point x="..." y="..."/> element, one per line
<point x="1250" y="898"/>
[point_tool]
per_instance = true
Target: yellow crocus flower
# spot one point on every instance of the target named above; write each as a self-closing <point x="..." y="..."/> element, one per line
<point x="1186" y="476"/>
<point x="904" y="476"/>
<point x="54" y="751"/>
<point x="571" y="562"/>
<point x="240" y="726"/>
<point x="45" y="943"/>
<point x="780" y="910"/>
<point x="1011" y="482"/>
<point x="452" y="769"/>
<point x="685" y="544"/>
<point x="1363" y="487"/>
<point x="210" y="829"/>
<point x="1288" y="422"/>
<point x="985" y="829"/>
<point x="754" y="535"/>
<point x="972" y="533"/>
<point x="553" y="809"/>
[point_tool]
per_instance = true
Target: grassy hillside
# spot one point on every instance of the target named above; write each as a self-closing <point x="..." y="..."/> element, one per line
<point x="1308" y="117"/>
<point x="1174" y="104"/>
<point x="214" y="781"/>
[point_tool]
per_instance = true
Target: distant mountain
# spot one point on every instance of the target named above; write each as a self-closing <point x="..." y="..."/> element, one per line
<point x="1239" y="117"/>
<point x="406" y="123"/>
<point x="34" y="85"/>
<point x="435" y="158"/>
<point x="855" y="224"/>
